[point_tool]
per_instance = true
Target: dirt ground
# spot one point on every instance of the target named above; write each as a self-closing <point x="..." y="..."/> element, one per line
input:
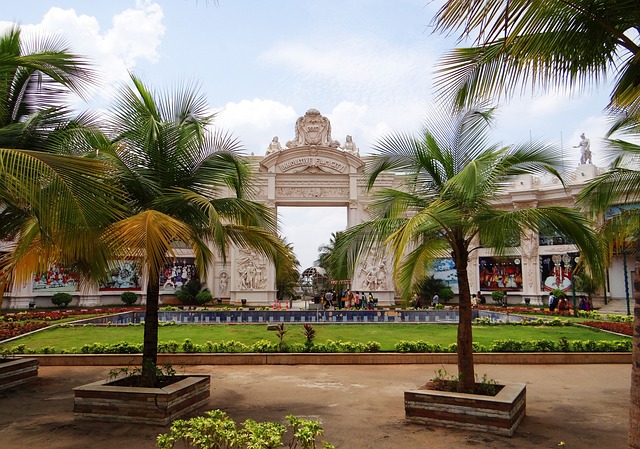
<point x="584" y="406"/>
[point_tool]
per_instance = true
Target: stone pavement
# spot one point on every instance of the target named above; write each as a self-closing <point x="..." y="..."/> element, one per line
<point x="617" y="307"/>
<point x="360" y="407"/>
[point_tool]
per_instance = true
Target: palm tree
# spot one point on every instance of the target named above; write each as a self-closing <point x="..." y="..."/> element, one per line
<point x="52" y="207"/>
<point x="333" y="266"/>
<point x="546" y="44"/>
<point x="550" y="44"/>
<point x="621" y="184"/>
<point x="287" y="272"/>
<point x="36" y="77"/>
<point x="451" y="177"/>
<point x="186" y="185"/>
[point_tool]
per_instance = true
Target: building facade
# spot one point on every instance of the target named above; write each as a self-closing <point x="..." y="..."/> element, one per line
<point x="314" y="170"/>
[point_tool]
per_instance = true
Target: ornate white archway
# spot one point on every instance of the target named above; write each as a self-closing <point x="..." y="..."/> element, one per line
<point x="311" y="170"/>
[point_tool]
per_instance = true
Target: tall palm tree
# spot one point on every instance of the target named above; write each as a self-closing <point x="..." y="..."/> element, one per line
<point x="545" y="44"/>
<point x="287" y="272"/>
<point x="186" y="185"/>
<point x="37" y="75"/>
<point x="334" y="267"/>
<point x="549" y="44"/>
<point x="447" y="204"/>
<point x="52" y="207"/>
<point x="621" y="184"/>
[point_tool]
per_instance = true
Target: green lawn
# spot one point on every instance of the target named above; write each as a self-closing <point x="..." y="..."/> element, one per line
<point x="385" y="334"/>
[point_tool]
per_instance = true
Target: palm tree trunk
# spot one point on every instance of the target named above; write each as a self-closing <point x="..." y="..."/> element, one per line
<point x="465" y="338"/>
<point x="150" y="346"/>
<point x="634" y="406"/>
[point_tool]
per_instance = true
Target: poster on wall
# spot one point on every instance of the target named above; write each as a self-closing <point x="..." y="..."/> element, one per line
<point x="125" y="275"/>
<point x="556" y="271"/>
<point x="445" y="270"/>
<point x="500" y="273"/>
<point x="177" y="273"/>
<point x="56" y="279"/>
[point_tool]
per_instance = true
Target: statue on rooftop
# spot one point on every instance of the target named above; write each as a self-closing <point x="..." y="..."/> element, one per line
<point x="274" y="146"/>
<point x="585" y="149"/>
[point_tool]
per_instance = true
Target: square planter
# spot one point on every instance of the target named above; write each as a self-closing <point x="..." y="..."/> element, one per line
<point x="17" y="371"/>
<point x="500" y="414"/>
<point x="100" y="401"/>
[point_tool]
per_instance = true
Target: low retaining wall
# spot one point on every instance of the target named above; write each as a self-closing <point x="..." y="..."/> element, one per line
<point x="500" y="414"/>
<point x="17" y="371"/>
<point x="100" y="402"/>
<point x="386" y="358"/>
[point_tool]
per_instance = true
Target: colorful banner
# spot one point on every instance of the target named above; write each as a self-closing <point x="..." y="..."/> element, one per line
<point x="125" y="275"/>
<point x="444" y="269"/>
<point x="500" y="273"/>
<point x="56" y="279"/>
<point x="556" y="271"/>
<point x="174" y="275"/>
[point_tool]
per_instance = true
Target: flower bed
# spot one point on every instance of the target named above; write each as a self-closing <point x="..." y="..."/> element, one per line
<point x="14" y="328"/>
<point x="13" y="324"/>
<point x="618" y="328"/>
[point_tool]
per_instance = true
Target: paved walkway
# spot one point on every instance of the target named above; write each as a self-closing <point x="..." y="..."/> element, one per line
<point x="361" y="407"/>
<point x="617" y="306"/>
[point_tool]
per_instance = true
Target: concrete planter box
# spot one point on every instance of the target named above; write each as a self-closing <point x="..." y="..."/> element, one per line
<point x="17" y="371"/>
<point x="100" y="401"/>
<point x="500" y="414"/>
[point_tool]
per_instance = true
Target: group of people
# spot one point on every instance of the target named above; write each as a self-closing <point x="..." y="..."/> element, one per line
<point x="477" y="299"/>
<point x="563" y="305"/>
<point x="346" y="299"/>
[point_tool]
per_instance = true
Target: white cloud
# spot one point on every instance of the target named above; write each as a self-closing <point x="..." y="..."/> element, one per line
<point x="256" y="121"/>
<point x="135" y="34"/>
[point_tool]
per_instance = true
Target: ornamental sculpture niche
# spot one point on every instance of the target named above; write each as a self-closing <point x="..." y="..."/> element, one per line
<point x="252" y="271"/>
<point x="313" y="129"/>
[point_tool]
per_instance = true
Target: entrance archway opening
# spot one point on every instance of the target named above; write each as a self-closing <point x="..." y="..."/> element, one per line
<point x="307" y="228"/>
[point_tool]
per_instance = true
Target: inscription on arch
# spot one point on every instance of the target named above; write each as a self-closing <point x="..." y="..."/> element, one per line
<point x="313" y="161"/>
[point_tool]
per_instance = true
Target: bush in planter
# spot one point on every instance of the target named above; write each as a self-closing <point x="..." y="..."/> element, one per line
<point x="445" y="294"/>
<point x="188" y="293"/>
<point x="497" y="296"/>
<point x="61" y="299"/>
<point x="129" y="298"/>
<point x="203" y="297"/>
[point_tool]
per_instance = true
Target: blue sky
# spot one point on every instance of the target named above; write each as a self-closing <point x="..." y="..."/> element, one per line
<point x="366" y="64"/>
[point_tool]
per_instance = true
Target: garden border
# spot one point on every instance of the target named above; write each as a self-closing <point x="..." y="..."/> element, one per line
<point x="384" y="358"/>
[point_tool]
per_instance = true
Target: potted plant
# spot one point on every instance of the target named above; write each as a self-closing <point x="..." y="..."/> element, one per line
<point x="491" y="407"/>
<point x="61" y="299"/>
<point x="129" y="298"/>
<point x="15" y="371"/>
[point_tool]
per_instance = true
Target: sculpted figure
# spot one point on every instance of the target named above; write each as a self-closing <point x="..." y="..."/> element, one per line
<point x="585" y="149"/>
<point x="274" y="146"/>
<point x="350" y="146"/>
<point x="224" y="282"/>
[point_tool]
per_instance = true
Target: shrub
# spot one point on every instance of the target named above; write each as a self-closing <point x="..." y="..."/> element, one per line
<point x="170" y="346"/>
<point x="445" y="294"/>
<point x="497" y="296"/>
<point x="129" y="298"/>
<point x="203" y="297"/>
<point x="61" y="299"/>
<point x="187" y="293"/>
<point x="216" y="429"/>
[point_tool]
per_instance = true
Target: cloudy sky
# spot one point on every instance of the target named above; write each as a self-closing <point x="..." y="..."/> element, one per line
<point x="366" y="64"/>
